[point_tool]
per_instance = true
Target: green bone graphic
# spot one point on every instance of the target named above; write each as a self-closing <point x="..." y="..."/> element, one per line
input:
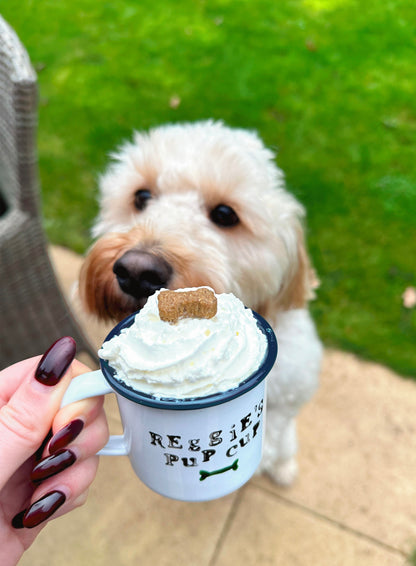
<point x="204" y="474"/>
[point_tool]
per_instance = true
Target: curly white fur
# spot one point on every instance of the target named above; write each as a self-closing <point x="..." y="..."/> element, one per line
<point x="189" y="169"/>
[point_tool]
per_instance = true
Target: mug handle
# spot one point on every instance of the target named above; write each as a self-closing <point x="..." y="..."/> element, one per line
<point x="93" y="384"/>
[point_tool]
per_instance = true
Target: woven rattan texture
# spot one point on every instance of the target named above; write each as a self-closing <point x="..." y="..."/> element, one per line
<point x="33" y="310"/>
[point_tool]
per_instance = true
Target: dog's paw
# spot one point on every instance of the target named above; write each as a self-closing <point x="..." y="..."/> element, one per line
<point x="283" y="473"/>
<point x="286" y="472"/>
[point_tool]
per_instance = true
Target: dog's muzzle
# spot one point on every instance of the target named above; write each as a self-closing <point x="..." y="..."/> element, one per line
<point x="140" y="274"/>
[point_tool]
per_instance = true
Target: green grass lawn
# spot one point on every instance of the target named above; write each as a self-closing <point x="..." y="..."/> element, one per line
<point x="330" y="84"/>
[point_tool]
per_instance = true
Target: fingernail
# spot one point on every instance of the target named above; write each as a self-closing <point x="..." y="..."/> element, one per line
<point x="17" y="521"/>
<point x="66" y="435"/>
<point x="55" y="361"/>
<point x="53" y="465"/>
<point x="42" y="509"/>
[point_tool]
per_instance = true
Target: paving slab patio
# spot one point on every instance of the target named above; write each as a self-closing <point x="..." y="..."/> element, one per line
<point x="353" y="504"/>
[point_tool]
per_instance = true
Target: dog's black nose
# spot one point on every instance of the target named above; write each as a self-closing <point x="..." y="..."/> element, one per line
<point x="141" y="273"/>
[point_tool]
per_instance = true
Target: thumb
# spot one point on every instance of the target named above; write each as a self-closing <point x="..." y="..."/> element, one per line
<point x="27" y="416"/>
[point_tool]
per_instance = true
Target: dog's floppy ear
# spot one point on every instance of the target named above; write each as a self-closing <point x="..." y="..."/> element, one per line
<point x="298" y="285"/>
<point x="297" y="289"/>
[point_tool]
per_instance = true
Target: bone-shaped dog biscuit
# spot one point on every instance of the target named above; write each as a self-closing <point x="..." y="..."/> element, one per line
<point x="198" y="303"/>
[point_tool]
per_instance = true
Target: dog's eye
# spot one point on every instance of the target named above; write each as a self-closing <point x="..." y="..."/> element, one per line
<point x="141" y="197"/>
<point x="223" y="215"/>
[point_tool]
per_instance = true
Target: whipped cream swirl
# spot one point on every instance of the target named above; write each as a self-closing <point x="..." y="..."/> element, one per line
<point x="192" y="358"/>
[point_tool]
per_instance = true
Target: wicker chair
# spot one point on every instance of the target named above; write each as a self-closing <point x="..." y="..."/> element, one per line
<point x="33" y="310"/>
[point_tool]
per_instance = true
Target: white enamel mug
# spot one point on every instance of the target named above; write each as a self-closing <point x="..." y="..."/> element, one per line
<point x="194" y="449"/>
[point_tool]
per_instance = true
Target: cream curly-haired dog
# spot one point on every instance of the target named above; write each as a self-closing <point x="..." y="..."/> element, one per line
<point x="202" y="204"/>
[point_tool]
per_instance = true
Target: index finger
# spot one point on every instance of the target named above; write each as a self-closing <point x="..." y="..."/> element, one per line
<point x="12" y="377"/>
<point x="27" y="417"/>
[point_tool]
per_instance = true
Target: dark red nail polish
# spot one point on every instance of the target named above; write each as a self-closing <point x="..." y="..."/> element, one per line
<point x="55" y="361"/>
<point x="42" y="509"/>
<point x="53" y="465"/>
<point x="17" y="521"/>
<point x="66" y="435"/>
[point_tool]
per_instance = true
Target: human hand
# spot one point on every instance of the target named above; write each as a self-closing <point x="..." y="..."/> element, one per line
<point x="41" y="477"/>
